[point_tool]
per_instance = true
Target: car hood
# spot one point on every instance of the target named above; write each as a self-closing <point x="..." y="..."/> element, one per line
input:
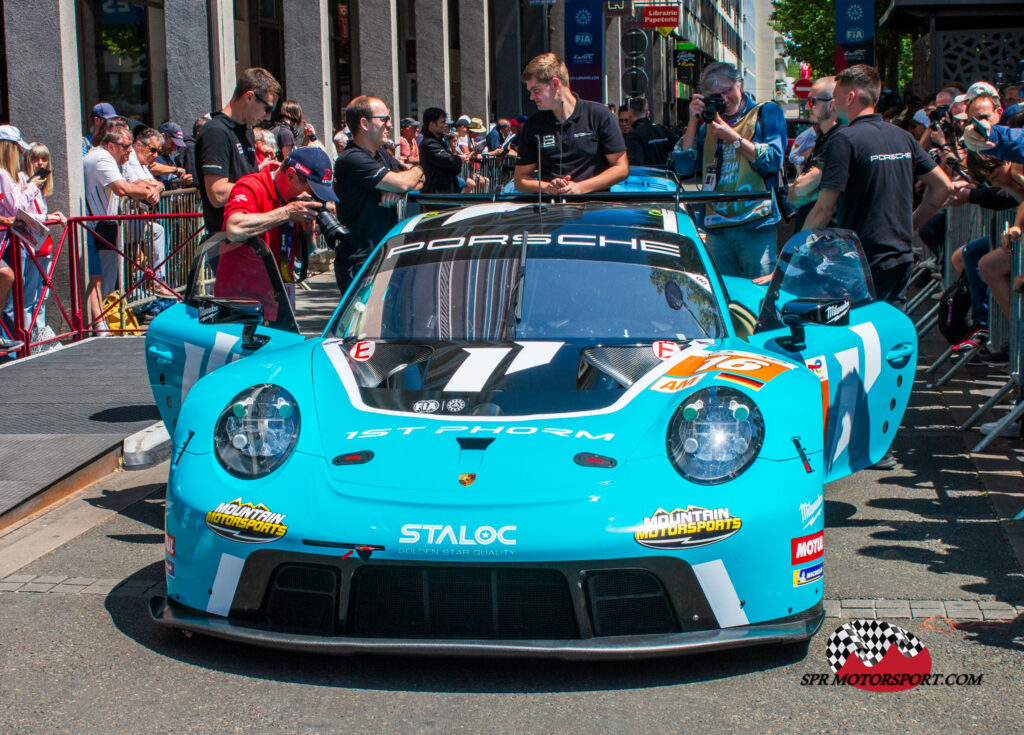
<point x="432" y="414"/>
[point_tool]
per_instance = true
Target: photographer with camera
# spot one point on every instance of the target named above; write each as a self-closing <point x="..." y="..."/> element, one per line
<point x="737" y="145"/>
<point x="370" y="182"/>
<point x="277" y="203"/>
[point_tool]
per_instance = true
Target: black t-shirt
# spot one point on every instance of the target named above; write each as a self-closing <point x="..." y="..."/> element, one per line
<point x="441" y="167"/>
<point x="356" y="175"/>
<point x="873" y="164"/>
<point x="648" y="144"/>
<point x="224" y="148"/>
<point x="817" y="157"/>
<point x="576" y="147"/>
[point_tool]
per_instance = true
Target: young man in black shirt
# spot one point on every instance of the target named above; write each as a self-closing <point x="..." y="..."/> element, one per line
<point x="225" y="147"/>
<point x="820" y="107"/>
<point x="441" y="167"/>
<point x="868" y="182"/>
<point x="369" y="181"/>
<point x="577" y="144"/>
<point x="647" y="144"/>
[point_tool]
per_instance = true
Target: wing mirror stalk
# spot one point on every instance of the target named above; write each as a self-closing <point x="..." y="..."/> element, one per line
<point x="798" y="313"/>
<point x="248" y="312"/>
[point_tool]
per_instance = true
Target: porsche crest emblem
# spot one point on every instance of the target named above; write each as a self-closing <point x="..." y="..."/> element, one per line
<point x="467" y="478"/>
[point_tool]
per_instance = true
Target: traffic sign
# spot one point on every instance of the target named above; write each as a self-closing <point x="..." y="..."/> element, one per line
<point x="661" y="16"/>
<point x="802" y="88"/>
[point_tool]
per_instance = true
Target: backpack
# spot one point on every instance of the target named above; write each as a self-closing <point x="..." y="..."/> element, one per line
<point x="955" y="311"/>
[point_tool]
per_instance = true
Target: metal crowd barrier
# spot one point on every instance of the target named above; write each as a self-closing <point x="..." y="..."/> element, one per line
<point x="153" y="245"/>
<point x="497" y="169"/>
<point x="963" y="225"/>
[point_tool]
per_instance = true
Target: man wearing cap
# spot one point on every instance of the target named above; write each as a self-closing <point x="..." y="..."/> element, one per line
<point x="577" y="144"/>
<point x="168" y="166"/>
<point x="369" y="181"/>
<point x="275" y="204"/>
<point x="408" y="148"/>
<point x="101" y="113"/>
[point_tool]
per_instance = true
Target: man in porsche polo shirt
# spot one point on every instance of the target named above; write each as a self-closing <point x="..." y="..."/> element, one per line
<point x="577" y="144"/>
<point x="867" y="181"/>
<point x="225" y="148"/>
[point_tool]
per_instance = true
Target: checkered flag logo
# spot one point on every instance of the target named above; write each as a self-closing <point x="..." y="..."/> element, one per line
<point x="869" y="639"/>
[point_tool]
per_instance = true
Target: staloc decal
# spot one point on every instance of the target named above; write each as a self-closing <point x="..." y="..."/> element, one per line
<point x="246" y="522"/>
<point x="687" y="528"/>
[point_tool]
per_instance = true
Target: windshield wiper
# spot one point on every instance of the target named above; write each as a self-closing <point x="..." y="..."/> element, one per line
<point x="515" y="303"/>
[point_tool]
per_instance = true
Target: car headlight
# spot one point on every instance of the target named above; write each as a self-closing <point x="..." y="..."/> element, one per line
<point x="257" y="431"/>
<point x="714" y="435"/>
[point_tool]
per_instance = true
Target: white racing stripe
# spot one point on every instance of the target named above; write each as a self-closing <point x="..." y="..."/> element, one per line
<point x="335" y="350"/>
<point x="194" y="355"/>
<point x="721" y="595"/>
<point x="668" y="218"/>
<point x="846" y="399"/>
<point x="872" y="352"/>
<point x="478" y="210"/>
<point x="533" y="354"/>
<point x="224" y="584"/>
<point x="223" y="343"/>
<point x="472" y="375"/>
<point x="412" y="223"/>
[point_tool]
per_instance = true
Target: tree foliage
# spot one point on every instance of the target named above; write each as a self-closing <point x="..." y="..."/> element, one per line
<point x="808" y="29"/>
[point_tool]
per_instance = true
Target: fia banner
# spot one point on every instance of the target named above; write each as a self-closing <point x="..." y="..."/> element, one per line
<point x="584" y="47"/>
<point x="855" y="33"/>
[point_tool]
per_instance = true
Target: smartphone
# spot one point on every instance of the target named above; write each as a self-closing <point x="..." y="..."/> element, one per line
<point x="978" y="127"/>
<point x="42" y="173"/>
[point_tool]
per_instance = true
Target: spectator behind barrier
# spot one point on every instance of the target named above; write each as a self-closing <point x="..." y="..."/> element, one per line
<point x="34" y="163"/>
<point x="169" y="166"/>
<point x="147" y="146"/>
<point x="12" y="198"/>
<point x="287" y="129"/>
<point x="735" y="144"/>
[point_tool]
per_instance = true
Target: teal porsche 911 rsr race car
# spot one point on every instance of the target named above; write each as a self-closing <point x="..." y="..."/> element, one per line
<point x="542" y="430"/>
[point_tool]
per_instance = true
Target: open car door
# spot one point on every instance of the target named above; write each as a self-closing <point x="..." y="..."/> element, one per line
<point x="235" y="305"/>
<point x="820" y="308"/>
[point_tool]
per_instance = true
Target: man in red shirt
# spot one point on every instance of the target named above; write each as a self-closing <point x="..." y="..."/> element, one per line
<point x="273" y="203"/>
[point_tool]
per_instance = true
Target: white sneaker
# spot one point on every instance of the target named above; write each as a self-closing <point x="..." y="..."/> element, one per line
<point x="1012" y="429"/>
<point x="102" y="328"/>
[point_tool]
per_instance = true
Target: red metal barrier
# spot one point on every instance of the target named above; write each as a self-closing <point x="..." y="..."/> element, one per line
<point x="70" y="237"/>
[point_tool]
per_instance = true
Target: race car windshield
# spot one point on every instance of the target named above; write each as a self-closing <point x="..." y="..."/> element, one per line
<point x="476" y="295"/>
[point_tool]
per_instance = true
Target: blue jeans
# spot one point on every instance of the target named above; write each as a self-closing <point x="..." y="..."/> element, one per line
<point x="973" y="252"/>
<point x="743" y="252"/>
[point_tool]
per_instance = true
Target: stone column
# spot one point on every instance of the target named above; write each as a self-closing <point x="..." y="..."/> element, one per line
<point x="509" y="64"/>
<point x="377" y="51"/>
<point x="613" y="59"/>
<point x="44" y="99"/>
<point x="556" y="29"/>
<point x="187" y="44"/>
<point x="307" y="56"/>
<point x="45" y="104"/>
<point x="474" y="43"/>
<point x="433" y="70"/>
<point x="221" y="17"/>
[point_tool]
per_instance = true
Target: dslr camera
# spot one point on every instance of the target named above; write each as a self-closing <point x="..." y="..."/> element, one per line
<point x="331" y="229"/>
<point x="938" y="115"/>
<point x="714" y="104"/>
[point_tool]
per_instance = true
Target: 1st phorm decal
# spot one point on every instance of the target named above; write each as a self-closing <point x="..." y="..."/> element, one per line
<point x="510" y="430"/>
<point x="442" y="540"/>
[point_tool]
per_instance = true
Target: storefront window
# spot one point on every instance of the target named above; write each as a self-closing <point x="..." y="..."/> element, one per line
<point x="115" y="55"/>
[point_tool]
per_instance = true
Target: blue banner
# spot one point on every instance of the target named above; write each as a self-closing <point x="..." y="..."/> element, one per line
<point x="584" y="47"/>
<point x="855" y="33"/>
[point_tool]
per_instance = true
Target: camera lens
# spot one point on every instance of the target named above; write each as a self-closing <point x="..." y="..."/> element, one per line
<point x="331" y="229"/>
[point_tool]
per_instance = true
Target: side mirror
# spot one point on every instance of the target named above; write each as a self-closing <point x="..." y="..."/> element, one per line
<point x="797" y="313"/>
<point x="235" y="311"/>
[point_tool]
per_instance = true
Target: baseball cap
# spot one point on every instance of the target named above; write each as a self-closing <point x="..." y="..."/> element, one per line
<point x="976" y="90"/>
<point x="407" y="121"/>
<point x="464" y="120"/>
<point x="314" y="164"/>
<point x="521" y="119"/>
<point x="173" y="131"/>
<point x="921" y="117"/>
<point x="104" y="110"/>
<point x="11" y="133"/>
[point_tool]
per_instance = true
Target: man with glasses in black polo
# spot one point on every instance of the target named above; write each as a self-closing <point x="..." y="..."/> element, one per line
<point x="226" y="148"/>
<point x="804" y="190"/>
<point x="369" y="182"/>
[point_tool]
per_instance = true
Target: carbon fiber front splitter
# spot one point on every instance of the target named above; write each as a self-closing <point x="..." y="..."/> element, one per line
<point x="792" y="629"/>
